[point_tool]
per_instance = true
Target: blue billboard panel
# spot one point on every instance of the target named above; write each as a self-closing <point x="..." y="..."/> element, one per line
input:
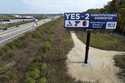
<point x="90" y="21"/>
<point x="103" y="21"/>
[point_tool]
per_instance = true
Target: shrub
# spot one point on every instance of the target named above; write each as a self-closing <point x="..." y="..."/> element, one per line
<point x="29" y="80"/>
<point x="42" y="80"/>
<point x="35" y="73"/>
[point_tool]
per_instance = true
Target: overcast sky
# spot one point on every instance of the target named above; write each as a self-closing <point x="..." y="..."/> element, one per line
<point x="49" y="6"/>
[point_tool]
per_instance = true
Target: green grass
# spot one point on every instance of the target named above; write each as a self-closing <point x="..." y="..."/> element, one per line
<point x="40" y="56"/>
<point x="105" y="41"/>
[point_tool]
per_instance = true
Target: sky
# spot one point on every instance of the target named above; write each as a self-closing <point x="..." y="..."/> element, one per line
<point x="49" y="6"/>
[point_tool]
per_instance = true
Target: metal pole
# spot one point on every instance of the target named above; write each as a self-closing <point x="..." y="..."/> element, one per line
<point x="87" y="46"/>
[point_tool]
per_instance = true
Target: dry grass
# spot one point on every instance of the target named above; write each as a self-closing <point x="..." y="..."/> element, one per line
<point x="46" y="47"/>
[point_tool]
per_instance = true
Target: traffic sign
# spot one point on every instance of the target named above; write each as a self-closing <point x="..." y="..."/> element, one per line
<point x="90" y="21"/>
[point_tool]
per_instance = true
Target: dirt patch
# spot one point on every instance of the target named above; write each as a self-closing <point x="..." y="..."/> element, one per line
<point x="100" y="67"/>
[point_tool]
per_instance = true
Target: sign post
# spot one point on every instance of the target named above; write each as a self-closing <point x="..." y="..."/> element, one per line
<point x="87" y="46"/>
<point x="81" y="21"/>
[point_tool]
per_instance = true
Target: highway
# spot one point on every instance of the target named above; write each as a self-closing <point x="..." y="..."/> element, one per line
<point x="15" y="32"/>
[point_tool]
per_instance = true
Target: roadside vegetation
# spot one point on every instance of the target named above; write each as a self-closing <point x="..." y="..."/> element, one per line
<point x="104" y="40"/>
<point x="37" y="57"/>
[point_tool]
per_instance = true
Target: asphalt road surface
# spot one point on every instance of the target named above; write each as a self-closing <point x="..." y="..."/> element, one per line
<point x="15" y="32"/>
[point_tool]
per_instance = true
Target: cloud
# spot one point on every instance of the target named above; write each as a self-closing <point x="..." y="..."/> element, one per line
<point x="56" y="6"/>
